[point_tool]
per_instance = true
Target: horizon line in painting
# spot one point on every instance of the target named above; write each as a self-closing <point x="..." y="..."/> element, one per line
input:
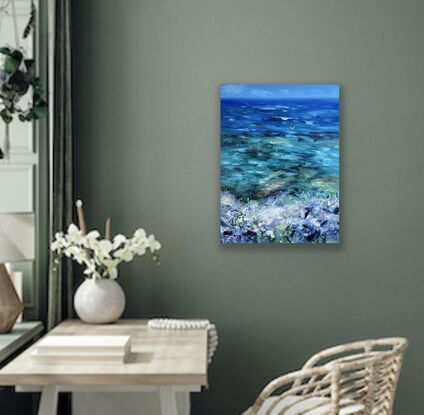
<point x="279" y="163"/>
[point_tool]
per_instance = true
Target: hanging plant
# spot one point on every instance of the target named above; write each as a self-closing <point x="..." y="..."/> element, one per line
<point x="17" y="78"/>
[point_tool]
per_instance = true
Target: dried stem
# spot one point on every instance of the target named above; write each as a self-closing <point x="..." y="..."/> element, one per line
<point x="81" y="220"/>
<point x="108" y="229"/>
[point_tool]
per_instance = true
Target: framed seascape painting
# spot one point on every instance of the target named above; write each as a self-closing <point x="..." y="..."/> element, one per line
<point x="279" y="164"/>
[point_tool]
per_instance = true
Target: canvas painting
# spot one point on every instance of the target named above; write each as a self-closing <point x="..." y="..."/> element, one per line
<point x="279" y="164"/>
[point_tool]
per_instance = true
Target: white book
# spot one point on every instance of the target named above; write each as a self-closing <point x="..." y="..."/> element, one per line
<point x="82" y="348"/>
<point x="62" y="358"/>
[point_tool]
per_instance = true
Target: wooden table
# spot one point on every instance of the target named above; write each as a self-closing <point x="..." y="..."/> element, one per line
<point x="167" y="361"/>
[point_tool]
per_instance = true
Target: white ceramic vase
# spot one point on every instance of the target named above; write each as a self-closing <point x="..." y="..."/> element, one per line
<point x="99" y="301"/>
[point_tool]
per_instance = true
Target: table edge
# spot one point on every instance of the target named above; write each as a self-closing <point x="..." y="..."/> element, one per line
<point x="102" y="379"/>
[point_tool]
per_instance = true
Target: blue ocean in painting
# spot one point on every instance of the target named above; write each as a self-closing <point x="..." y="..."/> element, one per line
<point x="279" y="164"/>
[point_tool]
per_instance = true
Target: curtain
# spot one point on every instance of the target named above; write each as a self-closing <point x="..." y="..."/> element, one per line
<point x="60" y="282"/>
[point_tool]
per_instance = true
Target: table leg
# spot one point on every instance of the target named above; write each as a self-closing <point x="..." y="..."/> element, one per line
<point x="168" y="402"/>
<point x="184" y="403"/>
<point x="48" y="401"/>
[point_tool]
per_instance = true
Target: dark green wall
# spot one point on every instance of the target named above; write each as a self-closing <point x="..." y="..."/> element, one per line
<point x="146" y="77"/>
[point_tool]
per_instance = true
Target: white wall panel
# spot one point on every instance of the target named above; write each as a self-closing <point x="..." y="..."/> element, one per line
<point x="16" y="184"/>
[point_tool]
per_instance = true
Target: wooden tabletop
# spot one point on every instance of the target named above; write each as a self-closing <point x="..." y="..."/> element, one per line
<point x="158" y="357"/>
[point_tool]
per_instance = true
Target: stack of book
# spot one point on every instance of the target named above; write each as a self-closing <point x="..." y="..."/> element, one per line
<point x="83" y="349"/>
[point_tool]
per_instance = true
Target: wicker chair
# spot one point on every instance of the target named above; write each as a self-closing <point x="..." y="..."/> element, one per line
<point x="356" y="378"/>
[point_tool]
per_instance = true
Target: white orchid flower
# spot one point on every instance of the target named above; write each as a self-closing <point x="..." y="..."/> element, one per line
<point x="59" y="243"/>
<point x="67" y="252"/>
<point x="79" y="256"/>
<point x="153" y="244"/>
<point x="111" y="262"/>
<point x="140" y="234"/>
<point x="59" y="236"/>
<point x="93" y="235"/>
<point x="138" y="247"/>
<point x="140" y="250"/>
<point x="118" y="240"/>
<point x="124" y="254"/>
<point x="100" y="256"/>
<point x="91" y="239"/>
<point x="112" y="267"/>
<point x="103" y="249"/>
<point x="76" y="253"/>
<point x="56" y="246"/>
<point x="75" y="235"/>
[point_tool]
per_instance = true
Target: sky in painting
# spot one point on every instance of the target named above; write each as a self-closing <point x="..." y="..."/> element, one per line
<point x="279" y="91"/>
